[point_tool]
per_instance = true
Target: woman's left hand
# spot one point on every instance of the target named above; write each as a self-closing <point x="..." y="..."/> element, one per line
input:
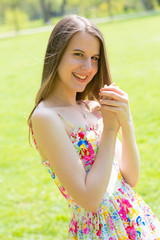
<point x="116" y="101"/>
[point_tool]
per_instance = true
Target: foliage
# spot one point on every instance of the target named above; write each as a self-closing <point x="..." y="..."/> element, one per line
<point x="16" y="19"/>
<point x="149" y="4"/>
<point x="47" y="9"/>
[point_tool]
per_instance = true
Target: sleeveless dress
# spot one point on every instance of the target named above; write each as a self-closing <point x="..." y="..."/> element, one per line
<point x="122" y="214"/>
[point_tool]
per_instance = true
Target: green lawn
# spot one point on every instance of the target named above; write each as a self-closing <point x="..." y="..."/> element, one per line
<point x="31" y="208"/>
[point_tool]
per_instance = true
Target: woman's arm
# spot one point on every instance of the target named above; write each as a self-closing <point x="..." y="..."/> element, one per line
<point x="129" y="162"/>
<point x="86" y="189"/>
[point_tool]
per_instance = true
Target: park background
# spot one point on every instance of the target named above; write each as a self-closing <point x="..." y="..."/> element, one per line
<point x="31" y="207"/>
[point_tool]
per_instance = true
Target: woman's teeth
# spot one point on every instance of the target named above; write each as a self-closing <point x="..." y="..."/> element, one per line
<point x="80" y="76"/>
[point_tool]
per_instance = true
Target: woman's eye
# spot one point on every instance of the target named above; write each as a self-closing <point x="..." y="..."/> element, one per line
<point x="95" y="58"/>
<point x="78" y="54"/>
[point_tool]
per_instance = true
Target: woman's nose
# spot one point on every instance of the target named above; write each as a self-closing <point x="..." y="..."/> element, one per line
<point x="87" y="65"/>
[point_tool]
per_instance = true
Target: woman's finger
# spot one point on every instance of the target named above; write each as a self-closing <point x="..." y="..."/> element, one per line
<point x="111" y="109"/>
<point x="111" y="103"/>
<point x="114" y="96"/>
<point x="115" y="89"/>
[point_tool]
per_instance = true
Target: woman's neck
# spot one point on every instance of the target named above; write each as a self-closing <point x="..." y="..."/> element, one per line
<point x="62" y="97"/>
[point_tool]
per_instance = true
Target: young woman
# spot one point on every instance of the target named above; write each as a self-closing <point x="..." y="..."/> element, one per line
<point x="77" y="116"/>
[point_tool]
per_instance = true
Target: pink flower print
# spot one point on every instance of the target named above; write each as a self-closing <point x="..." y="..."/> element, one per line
<point x="81" y="135"/>
<point x="48" y="164"/>
<point x="111" y="223"/>
<point x="131" y="232"/>
<point x="91" y="151"/>
<point x="94" y="226"/>
<point x="86" y="230"/>
<point x="99" y="231"/>
<point x="125" y="204"/>
<point x="75" y="224"/>
<point x="89" y="222"/>
<point x="152" y="226"/>
<point x="73" y="137"/>
<point x="121" y="190"/>
<point x="87" y="160"/>
<point x="74" y="227"/>
<point x="63" y="190"/>
<point x="122" y="214"/>
<point x="88" y="153"/>
<point x="72" y="134"/>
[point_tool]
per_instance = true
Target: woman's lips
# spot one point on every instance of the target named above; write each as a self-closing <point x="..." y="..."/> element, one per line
<point x="80" y="76"/>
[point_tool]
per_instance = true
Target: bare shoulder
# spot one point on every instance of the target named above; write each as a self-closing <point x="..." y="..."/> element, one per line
<point x="44" y="114"/>
<point x="45" y="118"/>
<point x="49" y="132"/>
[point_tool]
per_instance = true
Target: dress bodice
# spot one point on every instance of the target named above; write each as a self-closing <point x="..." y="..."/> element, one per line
<point x="85" y="139"/>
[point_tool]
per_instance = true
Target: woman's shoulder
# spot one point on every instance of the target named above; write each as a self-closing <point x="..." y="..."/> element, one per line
<point x="44" y="112"/>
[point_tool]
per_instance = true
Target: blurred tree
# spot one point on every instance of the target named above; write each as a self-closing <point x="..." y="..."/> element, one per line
<point x="12" y="12"/>
<point x="52" y="8"/>
<point x="130" y="6"/>
<point x="33" y="9"/>
<point x="16" y="19"/>
<point x="46" y="9"/>
<point x="109" y="7"/>
<point x="148" y="4"/>
<point x="63" y="5"/>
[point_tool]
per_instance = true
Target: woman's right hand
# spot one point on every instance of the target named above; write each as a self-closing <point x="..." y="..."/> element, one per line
<point x="110" y="120"/>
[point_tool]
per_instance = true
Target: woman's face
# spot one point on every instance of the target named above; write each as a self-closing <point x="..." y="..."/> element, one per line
<point x="79" y="63"/>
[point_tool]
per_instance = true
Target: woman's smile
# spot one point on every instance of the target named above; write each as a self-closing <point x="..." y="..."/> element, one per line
<point x="80" y="76"/>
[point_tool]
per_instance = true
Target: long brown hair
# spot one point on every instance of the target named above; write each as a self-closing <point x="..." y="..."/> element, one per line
<point x="58" y="41"/>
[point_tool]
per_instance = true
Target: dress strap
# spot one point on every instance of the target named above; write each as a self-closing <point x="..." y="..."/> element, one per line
<point x="66" y="121"/>
<point x="34" y="140"/>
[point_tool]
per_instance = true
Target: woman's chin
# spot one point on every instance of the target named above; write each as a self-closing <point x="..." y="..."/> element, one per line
<point x="80" y="89"/>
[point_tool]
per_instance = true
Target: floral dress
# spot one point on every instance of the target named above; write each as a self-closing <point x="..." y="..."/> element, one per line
<point x="122" y="214"/>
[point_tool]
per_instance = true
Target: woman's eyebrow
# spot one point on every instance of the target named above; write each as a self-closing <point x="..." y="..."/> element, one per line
<point x="79" y="50"/>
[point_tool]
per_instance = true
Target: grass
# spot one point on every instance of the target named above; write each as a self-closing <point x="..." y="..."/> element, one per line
<point x="30" y="205"/>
